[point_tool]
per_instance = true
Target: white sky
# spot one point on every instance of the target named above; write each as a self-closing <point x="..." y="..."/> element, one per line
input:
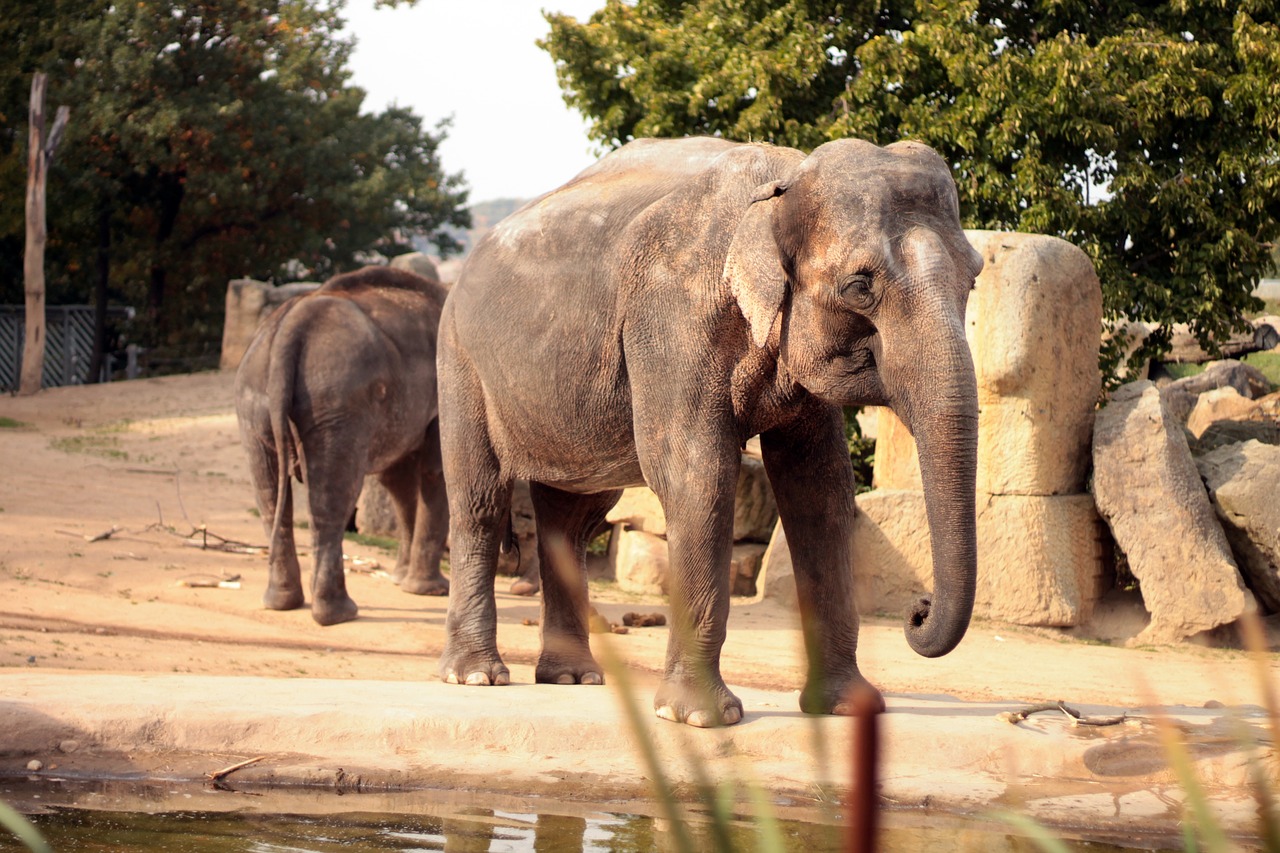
<point x="512" y="134"/>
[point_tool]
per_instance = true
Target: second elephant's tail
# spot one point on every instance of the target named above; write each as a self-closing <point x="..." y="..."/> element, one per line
<point x="280" y="389"/>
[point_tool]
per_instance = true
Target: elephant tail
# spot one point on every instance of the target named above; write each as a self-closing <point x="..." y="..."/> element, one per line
<point x="510" y="543"/>
<point x="281" y="377"/>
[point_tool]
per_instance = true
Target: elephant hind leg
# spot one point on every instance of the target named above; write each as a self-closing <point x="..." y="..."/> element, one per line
<point x="566" y="522"/>
<point x="284" y="575"/>
<point x="429" y="512"/>
<point x="334" y="478"/>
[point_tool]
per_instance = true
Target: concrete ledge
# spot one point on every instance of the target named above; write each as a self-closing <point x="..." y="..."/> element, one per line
<point x="575" y="743"/>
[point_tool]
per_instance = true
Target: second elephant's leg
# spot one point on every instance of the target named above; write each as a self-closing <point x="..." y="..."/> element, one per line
<point x="812" y="480"/>
<point x="566" y="522"/>
<point x="431" y="522"/>
<point x="334" y="478"/>
<point x="284" y="576"/>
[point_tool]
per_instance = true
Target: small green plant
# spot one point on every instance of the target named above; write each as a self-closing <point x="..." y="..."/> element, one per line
<point x="862" y="451"/>
<point x="93" y="445"/>
<point x="10" y="423"/>
<point x="1268" y="363"/>
<point x="386" y="543"/>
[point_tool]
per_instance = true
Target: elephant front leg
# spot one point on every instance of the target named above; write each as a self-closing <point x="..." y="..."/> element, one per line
<point x="812" y="481"/>
<point x="471" y="645"/>
<point x="700" y="544"/>
<point x="565" y="524"/>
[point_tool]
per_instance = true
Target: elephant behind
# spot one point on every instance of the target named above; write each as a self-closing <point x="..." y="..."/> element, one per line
<point x="337" y="384"/>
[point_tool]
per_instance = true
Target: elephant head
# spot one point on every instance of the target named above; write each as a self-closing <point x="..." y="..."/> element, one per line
<point x="856" y="268"/>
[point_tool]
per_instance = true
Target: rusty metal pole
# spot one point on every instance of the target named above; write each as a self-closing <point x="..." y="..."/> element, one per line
<point x="863" y="817"/>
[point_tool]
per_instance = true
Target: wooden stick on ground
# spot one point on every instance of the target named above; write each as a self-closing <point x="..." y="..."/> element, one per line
<point x="1077" y="719"/>
<point x="219" y="775"/>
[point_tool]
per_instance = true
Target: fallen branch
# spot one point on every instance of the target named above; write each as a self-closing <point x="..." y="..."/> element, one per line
<point x="219" y="775"/>
<point x="211" y="582"/>
<point x="1076" y="718"/>
<point x="96" y="537"/>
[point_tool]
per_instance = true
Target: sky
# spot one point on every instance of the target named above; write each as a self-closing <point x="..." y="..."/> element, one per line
<point x="512" y="134"/>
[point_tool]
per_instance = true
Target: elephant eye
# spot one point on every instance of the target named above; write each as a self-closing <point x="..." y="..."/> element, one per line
<point x="857" y="291"/>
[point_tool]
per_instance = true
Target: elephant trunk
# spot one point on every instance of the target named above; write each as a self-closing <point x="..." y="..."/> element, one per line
<point x="946" y="433"/>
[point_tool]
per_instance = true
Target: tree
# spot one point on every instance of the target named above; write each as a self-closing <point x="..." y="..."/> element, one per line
<point x="220" y="138"/>
<point x="1147" y="134"/>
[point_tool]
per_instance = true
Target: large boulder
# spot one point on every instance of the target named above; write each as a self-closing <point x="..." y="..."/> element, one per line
<point x="1181" y="395"/>
<point x="1219" y="404"/>
<point x="418" y="262"/>
<point x="248" y="303"/>
<point x="1148" y="490"/>
<point x="1242" y="480"/>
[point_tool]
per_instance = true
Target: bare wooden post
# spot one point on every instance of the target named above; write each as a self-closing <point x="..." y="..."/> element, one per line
<point x="39" y="154"/>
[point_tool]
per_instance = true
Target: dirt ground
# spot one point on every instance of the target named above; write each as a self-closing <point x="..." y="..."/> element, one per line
<point x="159" y="462"/>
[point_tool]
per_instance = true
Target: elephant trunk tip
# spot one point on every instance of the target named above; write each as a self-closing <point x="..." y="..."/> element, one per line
<point x="931" y="635"/>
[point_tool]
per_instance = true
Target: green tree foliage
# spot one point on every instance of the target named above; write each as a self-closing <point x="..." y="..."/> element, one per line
<point x="209" y="140"/>
<point x="1148" y="134"/>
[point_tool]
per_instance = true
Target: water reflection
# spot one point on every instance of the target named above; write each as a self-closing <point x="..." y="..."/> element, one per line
<point x="408" y="822"/>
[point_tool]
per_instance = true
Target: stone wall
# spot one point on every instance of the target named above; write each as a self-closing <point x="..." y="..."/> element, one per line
<point x="248" y="303"/>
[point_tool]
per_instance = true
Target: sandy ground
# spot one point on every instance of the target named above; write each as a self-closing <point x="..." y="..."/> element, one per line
<point x="159" y="462"/>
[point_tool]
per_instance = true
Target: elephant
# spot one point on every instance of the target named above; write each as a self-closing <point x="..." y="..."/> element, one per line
<point x="339" y="383"/>
<point x="640" y="323"/>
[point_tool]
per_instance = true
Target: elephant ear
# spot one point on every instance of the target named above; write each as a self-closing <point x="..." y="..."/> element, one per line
<point x="753" y="268"/>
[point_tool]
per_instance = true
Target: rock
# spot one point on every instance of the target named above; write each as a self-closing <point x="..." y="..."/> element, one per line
<point x="1218" y="404"/>
<point x="754" y="509"/>
<point x="640" y="560"/>
<point x="1041" y="558"/>
<point x="416" y="262"/>
<point x="248" y="303"/>
<point x="1223" y="433"/>
<point x="68" y="746"/>
<point x="1148" y="490"/>
<point x="35" y="765"/>
<point x="375" y="513"/>
<point x="1180" y="395"/>
<point x="776" y="580"/>
<point x="1037" y="370"/>
<point x="744" y="567"/>
<point x="1184" y="347"/>
<point x="1242" y="479"/>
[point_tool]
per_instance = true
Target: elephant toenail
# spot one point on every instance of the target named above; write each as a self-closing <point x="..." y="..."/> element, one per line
<point x="592" y="678"/>
<point x="451" y="678"/>
<point x="666" y="712"/>
<point x="503" y="678"/>
<point x="732" y="716"/>
<point x="478" y="679"/>
<point x="565" y="679"/>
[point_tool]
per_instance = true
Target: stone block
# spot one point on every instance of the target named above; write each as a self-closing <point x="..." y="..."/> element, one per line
<point x="1148" y="490"/>
<point x="248" y="303"/>
<point x="1040" y="557"/>
<point x="1037" y="370"/>
<point x="754" y="509"/>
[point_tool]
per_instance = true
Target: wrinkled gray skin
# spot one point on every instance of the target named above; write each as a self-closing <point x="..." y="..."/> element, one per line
<point x="337" y="384"/>
<point x="638" y="324"/>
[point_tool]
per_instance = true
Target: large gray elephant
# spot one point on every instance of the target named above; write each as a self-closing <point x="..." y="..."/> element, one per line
<point x="640" y="323"/>
<point x="337" y="384"/>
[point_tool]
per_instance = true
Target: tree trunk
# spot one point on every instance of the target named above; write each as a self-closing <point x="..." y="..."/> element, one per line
<point x="40" y="153"/>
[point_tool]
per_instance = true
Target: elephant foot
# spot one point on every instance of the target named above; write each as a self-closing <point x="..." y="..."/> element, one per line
<point x="565" y="669"/>
<point x="438" y="585"/>
<point x="523" y="586"/>
<point x="334" y="612"/>
<point x="845" y="697"/>
<point x="283" y="598"/>
<point x="474" y="669"/>
<point x="696" y="705"/>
